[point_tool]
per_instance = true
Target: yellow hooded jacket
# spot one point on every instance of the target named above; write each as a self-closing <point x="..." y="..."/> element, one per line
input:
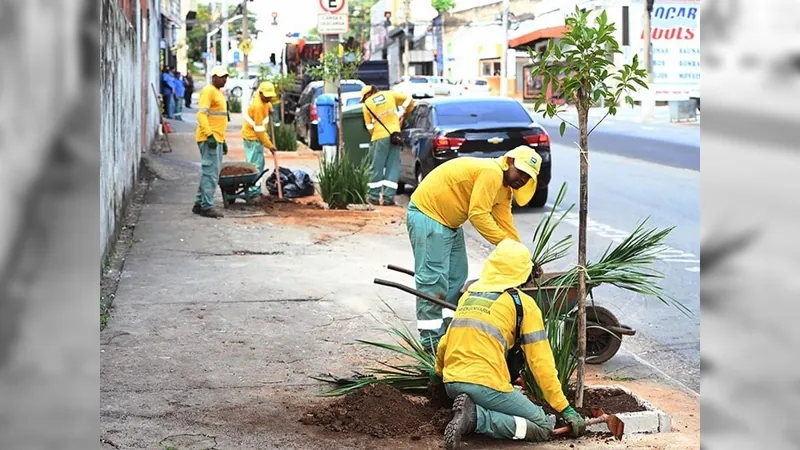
<point x="474" y="348"/>
<point x="212" y="114"/>
<point x="384" y="104"/>
<point x="256" y="121"/>
<point x="468" y="188"/>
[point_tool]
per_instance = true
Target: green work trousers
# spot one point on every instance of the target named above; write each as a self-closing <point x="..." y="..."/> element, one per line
<point x="504" y="415"/>
<point x="254" y="152"/>
<point x="210" y="162"/>
<point x="384" y="171"/>
<point x="440" y="267"/>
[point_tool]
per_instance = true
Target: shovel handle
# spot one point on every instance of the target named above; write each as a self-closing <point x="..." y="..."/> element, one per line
<point x="592" y="421"/>
<point x="400" y="269"/>
<point x="277" y="175"/>
<point x="413" y="291"/>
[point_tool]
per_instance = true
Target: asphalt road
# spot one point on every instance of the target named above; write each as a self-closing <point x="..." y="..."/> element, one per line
<point x="623" y="191"/>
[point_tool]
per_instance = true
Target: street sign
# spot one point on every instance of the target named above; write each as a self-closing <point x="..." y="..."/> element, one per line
<point x="245" y="46"/>
<point x="332" y="24"/>
<point x="333" y="6"/>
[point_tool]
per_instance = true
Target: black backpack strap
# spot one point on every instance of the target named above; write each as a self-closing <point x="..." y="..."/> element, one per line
<point x="376" y="118"/>
<point x="518" y="306"/>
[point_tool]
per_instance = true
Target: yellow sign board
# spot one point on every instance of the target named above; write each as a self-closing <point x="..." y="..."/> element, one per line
<point x="246" y="46"/>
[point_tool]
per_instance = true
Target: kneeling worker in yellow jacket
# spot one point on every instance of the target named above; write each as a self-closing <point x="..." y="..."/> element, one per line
<point x="465" y="188"/>
<point x="471" y="358"/>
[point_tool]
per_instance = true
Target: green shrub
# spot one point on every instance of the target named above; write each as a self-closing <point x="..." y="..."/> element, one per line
<point x="342" y="182"/>
<point x="235" y="104"/>
<point x="286" y="138"/>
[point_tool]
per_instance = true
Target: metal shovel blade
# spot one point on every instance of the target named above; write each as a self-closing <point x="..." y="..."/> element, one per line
<point x="615" y="425"/>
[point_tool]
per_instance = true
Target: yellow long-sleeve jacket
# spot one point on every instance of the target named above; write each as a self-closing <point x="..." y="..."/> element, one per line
<point x="256" y="121"/>
<point x="385" y="105"/>
<point x="474" y="348"/>
<point x="468" y="188"/>
<point x="212" y="114"/>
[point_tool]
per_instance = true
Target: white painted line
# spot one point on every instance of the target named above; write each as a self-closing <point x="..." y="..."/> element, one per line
<point x="693" y="269"/>
<point x="648" y="128"/>
<point x="687" y="261"/>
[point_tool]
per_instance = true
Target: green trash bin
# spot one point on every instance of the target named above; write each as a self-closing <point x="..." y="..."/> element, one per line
<point x="355" y="134"/>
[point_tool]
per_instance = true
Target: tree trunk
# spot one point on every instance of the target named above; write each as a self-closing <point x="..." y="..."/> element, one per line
<point x="282" y="116"/>
<point x="339" y="134"/>
<point x="583" y="204"/>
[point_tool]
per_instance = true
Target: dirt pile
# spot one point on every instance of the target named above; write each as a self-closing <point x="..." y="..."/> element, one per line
<point x="228" y="171"/>
<point x="380" y="411"/>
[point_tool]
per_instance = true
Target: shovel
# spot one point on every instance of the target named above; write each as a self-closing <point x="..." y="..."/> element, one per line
<point x="615" y="425"/>
<point x="278" y="179"/>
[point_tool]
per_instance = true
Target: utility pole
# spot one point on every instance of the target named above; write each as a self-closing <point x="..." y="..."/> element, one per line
<point x="648" y="95"/>
<point x="225" y="38"/>
<point x="407" y="39"/>
<point x="245" y="36"/>
<point x="504" y="56"/>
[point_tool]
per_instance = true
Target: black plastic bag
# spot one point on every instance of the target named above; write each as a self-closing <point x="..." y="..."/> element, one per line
<point x="295" y="184"/>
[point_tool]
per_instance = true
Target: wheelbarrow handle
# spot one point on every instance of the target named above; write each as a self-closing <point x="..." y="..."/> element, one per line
<point x="260" y="175"/>
<point x="413" y="291"/>
<point x="400" y="269"/>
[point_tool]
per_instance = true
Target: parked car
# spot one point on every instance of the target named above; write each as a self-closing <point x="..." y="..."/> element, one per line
<point x="236" y="86"/>
<point x="475" y="87"/>
<point x="305" y="114"/>
<point x="441" y="85"/>
<point x="444" y="128"/>
<point x="416" y="87"/>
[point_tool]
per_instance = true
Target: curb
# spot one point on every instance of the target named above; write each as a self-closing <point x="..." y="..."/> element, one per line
<point x="652" y="420"/>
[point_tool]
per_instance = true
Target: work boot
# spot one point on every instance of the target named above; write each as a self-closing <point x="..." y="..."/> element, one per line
<point x="465" y="419"/>
<point x="537" y="434"/>
<point x="196" y="208"/>
<point x="211" y="212"/>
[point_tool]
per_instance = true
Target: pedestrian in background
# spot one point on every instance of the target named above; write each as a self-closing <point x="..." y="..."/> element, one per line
<point x="383" y="120"/>
<point x="168" y="92"/>
<point x="188" y="84"/>
<point x="254" y="130"/>
<point x="179" y="90"/>
<point x="212" y="121"/>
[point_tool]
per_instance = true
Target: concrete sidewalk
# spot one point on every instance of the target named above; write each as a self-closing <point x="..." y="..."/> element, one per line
<point x="217" y="325"/>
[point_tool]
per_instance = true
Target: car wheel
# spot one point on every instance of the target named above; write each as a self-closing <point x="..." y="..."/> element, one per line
<point x="539" y="199"/>
<point x="401" y="187"/>
<point x="418" y="172"/>
<point x="313" y="138"/>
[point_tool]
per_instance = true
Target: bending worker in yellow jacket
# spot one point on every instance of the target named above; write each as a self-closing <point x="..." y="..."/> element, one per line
<point x="212" y="121"/>
<point x="254" y="130"/>
<point x="465" y="188"/>
<point x="471" y="358"/>
<point x="385" y="168"/>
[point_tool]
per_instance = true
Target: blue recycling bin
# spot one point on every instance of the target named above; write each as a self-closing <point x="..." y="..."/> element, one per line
<point x="326" y="125"/>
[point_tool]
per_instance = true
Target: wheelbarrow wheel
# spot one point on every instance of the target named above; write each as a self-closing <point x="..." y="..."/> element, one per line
<point x="601" y="345"/>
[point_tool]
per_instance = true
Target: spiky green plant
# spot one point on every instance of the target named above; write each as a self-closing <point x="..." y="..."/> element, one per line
<point x="544" y="252"/>
<point x="342" y="182"/>
<point x="286" y="138"/>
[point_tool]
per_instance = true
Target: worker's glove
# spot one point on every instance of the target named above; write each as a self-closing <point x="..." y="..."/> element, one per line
<point x="435" y="379"/>
<point x="224" y="148"/>
<point x="212" y="142"/>
<point x="576" y="423"/>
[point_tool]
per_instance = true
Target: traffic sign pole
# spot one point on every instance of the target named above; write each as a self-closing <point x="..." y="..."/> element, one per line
<point x="246" y="37"/>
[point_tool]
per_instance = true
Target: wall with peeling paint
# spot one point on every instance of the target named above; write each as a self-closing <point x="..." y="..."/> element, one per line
<point x="128" y="119"/>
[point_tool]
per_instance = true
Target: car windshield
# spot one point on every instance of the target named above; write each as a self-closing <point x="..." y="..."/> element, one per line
<point x="418" y="80"/>
<point x="468" y="112"/>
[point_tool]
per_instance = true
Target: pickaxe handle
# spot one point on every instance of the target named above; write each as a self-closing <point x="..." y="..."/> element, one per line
<point x="565" y="430"/>
<point x="413" y="291"/>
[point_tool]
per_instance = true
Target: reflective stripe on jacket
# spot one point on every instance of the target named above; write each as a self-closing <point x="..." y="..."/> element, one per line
<point x="256" y="121"/>
<point x="212" y="114"/>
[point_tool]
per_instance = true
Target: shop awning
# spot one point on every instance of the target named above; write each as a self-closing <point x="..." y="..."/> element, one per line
<point x="538" y="35"/>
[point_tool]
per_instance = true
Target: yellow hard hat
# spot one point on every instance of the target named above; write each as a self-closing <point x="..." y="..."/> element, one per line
<point x="527" y="160"/>
<point x="219" y="71"/>
<point x="508" y="266"/>
<point x="267" y="89"/>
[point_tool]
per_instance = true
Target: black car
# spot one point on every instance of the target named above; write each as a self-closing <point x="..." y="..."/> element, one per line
<point x="441" y="129"/>
<point x="305" y="115"/>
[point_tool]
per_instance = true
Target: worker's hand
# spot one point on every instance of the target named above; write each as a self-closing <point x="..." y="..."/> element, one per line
<point x="576" y="423"/>
<point x="224" y="148"/>
<point x="435" y="379"/>
<point x="212" y="142"/>
<point x="273" y="150"/>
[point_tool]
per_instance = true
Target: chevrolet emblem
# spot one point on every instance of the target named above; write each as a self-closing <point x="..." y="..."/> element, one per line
<point x="495" y="140"/>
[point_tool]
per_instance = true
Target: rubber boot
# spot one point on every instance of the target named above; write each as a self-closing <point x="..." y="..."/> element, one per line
<point x="196" y="208"/>
<point x="537" y="434"/>
<point x="211" y="212"/>
<point x="465" y="419"/>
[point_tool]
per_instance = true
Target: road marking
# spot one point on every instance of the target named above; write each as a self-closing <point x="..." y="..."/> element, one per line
<point x="666" y="253"/>
<point x="648" y="128"/>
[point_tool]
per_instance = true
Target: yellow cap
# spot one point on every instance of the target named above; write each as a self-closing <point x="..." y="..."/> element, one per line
<point x="267" y="89"/>
<point x="219" y="71"/>
<point x="508" y="266"/>
<point x="365" y="90"/>
<point x="527" y="160"/>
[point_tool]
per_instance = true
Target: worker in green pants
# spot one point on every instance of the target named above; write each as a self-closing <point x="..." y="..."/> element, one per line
<point x="471" y="358"/>
<point x="382" y="119"/>
<point x="212" y="121"/>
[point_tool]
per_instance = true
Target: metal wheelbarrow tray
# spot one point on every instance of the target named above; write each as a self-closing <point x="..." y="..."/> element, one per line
<point x="603" y="330"/>
<point x="236" y="186"/>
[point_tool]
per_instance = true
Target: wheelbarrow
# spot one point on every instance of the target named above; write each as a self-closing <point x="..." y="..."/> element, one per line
<point x="236" y="186"/>
<point x="603" y="330"/>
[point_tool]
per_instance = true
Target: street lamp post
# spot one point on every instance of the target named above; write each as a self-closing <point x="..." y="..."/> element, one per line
<point x="209" y="35"/>
<point x="504" y="56"/>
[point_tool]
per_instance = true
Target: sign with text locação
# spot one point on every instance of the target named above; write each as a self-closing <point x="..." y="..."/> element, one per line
<point x="332" y="17"/>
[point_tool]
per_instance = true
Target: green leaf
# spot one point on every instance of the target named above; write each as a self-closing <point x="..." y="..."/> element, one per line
<point x="562" y="128"/>
<point x="640" y="82"/>
<point x="629" y="100"/>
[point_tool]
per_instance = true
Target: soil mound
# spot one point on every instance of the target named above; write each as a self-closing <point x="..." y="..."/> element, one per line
<point x="235" y="170"/>
<point x="380" y="411"/>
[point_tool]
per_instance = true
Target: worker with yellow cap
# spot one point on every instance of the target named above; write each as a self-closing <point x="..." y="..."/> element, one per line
<point x="465" y="188"/>
<point x="383" y="113"/>
<point x="254" y="130"/>
<point x="212" y="121"/>
<point x="492" y="317"/>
